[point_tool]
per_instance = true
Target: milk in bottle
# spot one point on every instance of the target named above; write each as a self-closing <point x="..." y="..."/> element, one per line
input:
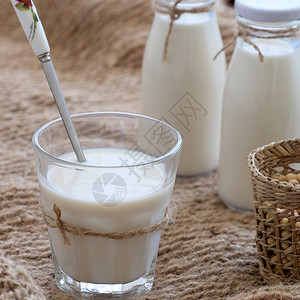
<point x="261" y="102"/>
<point x="184" y="87"/>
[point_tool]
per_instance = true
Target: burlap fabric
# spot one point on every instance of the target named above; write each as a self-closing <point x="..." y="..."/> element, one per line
<point x="97" y="47"/>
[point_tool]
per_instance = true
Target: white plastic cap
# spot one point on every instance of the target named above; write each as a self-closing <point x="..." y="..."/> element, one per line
<point x="269" y="10"/>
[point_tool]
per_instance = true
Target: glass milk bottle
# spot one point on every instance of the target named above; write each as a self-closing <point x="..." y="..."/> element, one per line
<point x="261" y="102"/>
<point x="181" y="82"/>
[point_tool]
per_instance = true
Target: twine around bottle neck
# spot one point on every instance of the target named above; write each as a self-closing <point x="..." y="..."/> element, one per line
<point x="174" y="12"/>
<point x="246" y="33"/>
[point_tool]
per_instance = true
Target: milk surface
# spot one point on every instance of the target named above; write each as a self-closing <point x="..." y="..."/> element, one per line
<point x="261" y="105"/>
<point x="186" y="89"/>
<point x="142" y="202"/>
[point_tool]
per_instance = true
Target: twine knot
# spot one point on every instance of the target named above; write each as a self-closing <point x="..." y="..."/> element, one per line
<point x="60" y="224"/>
<point x="175" y="15"/>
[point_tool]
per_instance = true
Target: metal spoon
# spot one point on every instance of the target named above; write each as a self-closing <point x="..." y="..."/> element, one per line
<point x="36" y="36"/>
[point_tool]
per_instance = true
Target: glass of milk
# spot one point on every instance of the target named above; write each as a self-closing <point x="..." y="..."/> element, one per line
<point x="124" y="186"/>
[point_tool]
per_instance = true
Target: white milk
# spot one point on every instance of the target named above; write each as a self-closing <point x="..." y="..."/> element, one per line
<point x="189" y="77"/>
<point x="101" y="260"/>
<point x="261" y="105"/>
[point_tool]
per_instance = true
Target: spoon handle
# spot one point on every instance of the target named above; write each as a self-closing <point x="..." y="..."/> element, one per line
<point x="36" y="36"/>
<point x="57" y="93"/>
<point x="32" y="26"/>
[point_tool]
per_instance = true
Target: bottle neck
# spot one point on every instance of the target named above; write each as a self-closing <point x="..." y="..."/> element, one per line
<point x="268" y="38"/>
<point x="177" y="7"/>
<point x="268" y="30"/>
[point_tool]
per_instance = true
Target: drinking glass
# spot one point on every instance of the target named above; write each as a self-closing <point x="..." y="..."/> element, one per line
<point x="105" y="215"/>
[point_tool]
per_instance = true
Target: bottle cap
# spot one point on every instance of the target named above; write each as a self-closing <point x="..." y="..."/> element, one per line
<point x="269" y="10"/>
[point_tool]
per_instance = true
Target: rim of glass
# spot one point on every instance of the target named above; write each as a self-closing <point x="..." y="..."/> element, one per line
<point x="37" y="147"/>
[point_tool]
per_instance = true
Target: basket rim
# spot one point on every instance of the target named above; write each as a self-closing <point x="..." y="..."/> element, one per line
<point x="257" y="173"/>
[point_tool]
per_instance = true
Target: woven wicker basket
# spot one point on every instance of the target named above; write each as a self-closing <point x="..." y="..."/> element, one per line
<point x="277" y="210"/>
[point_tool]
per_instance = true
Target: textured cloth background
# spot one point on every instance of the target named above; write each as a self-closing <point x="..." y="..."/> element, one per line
<point x="97" y="48"/>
